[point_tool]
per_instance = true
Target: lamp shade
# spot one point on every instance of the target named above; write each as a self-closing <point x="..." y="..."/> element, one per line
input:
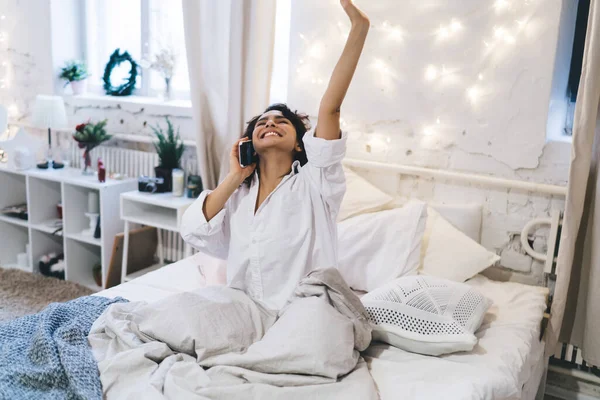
<point x="49" y="112"/>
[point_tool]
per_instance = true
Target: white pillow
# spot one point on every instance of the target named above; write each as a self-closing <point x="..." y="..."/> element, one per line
<point x="361" y="197"/>
<point x="377" y="247"/>
<point x="448" y="253"/>
<point x="426" y="315"/>
<point x="464" y="217"/>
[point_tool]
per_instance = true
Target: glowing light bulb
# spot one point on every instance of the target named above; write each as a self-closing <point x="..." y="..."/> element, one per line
<point x="431" y="72"/>
<point x="428" y="131"/>
<point x="437" y="121"/>
<point x="388" y="140"/>
<point x="396" y="34"/>
<point x="455" y="26"/>
<point x="13" y="110"/>
<point x="380" y="65"/>
<point x="502" y="34"/>
<point x="2" y="16"/>
<point x="473" y="93"/>
<point x="443" y="32"/>
<point x="316" y="50"/>
<point x="480" y="77"/>
<point x="302" y="36"/>
<point x="501" y="5"/>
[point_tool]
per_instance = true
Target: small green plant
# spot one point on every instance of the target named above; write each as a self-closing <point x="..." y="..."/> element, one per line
<point x="169" y="146"/>
<point x="74" y="70"/>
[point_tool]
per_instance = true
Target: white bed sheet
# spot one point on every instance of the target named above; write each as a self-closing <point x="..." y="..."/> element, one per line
<point x="504" y="360"/>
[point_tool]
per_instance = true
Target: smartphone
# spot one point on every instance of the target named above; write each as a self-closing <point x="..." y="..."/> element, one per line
<point x="247" y="154"/>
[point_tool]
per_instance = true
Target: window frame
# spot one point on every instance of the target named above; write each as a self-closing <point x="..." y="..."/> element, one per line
<point x="145" y="89"/>
<point x="579" y="37"/>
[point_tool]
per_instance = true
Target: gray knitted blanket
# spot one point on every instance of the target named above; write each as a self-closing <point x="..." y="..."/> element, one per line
<point x="47" y="356"/>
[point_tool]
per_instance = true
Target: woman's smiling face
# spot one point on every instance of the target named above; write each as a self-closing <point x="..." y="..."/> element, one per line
<point x="274" y="131"/>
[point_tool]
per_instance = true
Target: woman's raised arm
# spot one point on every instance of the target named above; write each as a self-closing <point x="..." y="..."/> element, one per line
<point x="329" y="111"/>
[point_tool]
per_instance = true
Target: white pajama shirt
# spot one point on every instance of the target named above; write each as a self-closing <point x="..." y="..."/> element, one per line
<point x="292" y="232"/>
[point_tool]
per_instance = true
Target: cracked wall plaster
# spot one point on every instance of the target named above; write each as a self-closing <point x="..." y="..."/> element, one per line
<point x="394" y="113"/>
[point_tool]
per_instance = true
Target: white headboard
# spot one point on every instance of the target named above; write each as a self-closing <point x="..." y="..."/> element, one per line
<point x="512" y="210"/>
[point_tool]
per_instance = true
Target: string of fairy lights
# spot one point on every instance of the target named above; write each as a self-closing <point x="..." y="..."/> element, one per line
<point x="513" y="20"/>
<point x="450" y="29"/>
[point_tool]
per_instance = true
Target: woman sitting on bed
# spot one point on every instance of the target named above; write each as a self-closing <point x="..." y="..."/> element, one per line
<point x="275" y="221"/>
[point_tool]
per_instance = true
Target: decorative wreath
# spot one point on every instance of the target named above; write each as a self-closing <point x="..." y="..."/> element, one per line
<point x="127" y="88"/>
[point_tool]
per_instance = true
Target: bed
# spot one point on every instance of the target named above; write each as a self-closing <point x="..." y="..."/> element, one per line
<point x="509" y="360"/>
<point x="488" y="372"/>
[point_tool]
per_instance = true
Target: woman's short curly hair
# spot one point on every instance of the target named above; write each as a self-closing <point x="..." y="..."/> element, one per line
<point x="300" y="122"/>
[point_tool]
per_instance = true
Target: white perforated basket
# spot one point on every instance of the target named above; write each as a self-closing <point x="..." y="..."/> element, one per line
<point x="425" y="314"/>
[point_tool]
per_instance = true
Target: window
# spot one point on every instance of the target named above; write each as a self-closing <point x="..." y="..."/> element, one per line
<point x="281" y="52"/>
<point x="583" y="10"/>
<point x="143" y="28"/>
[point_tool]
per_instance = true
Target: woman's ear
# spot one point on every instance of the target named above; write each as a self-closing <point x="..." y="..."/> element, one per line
<point x="298" y="148"/>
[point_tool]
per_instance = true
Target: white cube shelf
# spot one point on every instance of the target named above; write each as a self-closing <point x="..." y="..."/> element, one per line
<point x="42" y="190"/>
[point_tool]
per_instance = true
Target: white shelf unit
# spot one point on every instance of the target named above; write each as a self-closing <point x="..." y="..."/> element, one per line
<point x="162" y="211"/>
<point x="42" y="190"/>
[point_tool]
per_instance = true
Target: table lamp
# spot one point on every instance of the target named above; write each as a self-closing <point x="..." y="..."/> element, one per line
<point x="49" y="113"/>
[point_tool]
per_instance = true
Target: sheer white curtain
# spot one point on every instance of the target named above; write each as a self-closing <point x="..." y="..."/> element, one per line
<point x="576" y="305"/>
<point x="229" y="46"/>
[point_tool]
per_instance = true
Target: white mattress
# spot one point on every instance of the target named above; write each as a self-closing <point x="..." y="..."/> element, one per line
<point x="501" y="364"/>
<point x="507" y="354"/>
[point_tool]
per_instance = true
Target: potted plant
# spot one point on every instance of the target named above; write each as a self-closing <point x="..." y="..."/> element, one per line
<point x="75" y="73"/>
<point x="170" y="149"/>
<point x="89" y="135"/>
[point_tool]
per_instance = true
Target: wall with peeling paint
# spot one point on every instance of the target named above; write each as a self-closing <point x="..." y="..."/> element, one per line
<point x="464" y="85"/>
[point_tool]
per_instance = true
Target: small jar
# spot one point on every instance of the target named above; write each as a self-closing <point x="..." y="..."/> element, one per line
<point x="178" y="182"/>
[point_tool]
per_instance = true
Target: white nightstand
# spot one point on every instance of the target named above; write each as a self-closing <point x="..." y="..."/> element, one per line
<point x="162" y="211"/>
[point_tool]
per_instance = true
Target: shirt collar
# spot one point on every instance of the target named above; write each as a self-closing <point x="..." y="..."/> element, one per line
<point x="295" y="168"/>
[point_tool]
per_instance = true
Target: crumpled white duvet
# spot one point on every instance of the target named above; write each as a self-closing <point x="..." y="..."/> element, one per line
<point x="217" y="343"/>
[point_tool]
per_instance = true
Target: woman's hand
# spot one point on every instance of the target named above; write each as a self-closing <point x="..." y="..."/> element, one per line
<point x="357" y="17"/>
<point x="236" y="171"/>
<point x="216" y="200"/>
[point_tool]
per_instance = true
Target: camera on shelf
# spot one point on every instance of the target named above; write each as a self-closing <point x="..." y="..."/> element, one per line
<point x="149" y="184"/>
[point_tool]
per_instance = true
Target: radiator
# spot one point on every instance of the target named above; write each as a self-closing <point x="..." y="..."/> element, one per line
<point x="570" y="356"/>
<point x="134" y="163"/>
